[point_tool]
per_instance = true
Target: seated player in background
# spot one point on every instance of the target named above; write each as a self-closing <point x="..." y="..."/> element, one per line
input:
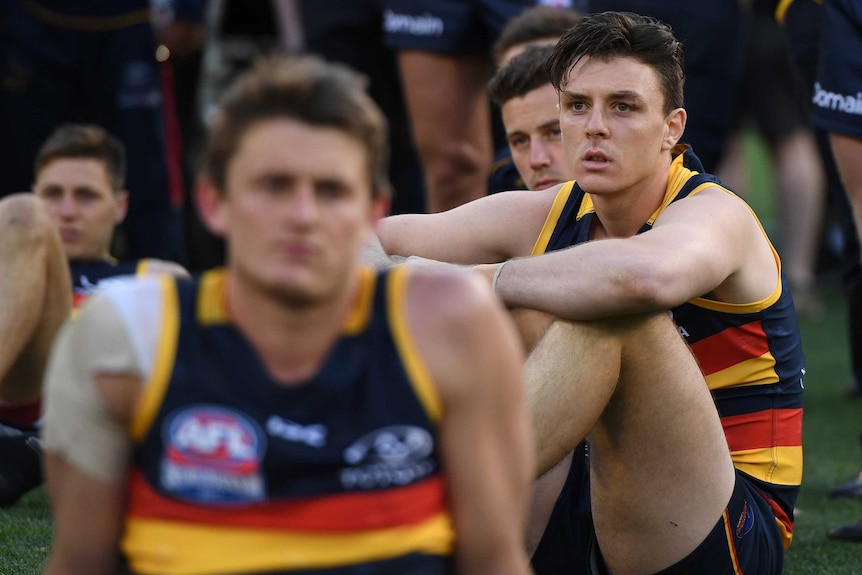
<point x="79" y="176"/>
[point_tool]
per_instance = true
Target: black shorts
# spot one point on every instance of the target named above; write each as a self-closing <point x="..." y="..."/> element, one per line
<point x="448" y="26"/>
<point x="565" y="544"/>
<point x="746" y="539"/>
<point x="837" y="99"/>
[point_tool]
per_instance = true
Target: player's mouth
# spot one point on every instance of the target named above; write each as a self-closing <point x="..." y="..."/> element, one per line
<point x="595" y="159"/>
<point x="69" y="235"/>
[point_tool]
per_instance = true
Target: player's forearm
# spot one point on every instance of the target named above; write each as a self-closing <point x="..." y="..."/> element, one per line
<point x="584" y="283"/>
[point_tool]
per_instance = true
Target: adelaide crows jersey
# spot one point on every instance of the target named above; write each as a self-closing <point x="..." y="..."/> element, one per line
<point x="234" y="473"/>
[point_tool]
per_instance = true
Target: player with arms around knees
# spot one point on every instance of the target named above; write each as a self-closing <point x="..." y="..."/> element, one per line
<point x="79" y="175"/>
<point x="294" y="412"/>
<point x="677" y="486"/>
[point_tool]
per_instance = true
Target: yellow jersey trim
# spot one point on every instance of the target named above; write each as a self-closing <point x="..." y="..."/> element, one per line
<point x="755" y="306"/>
<point x="553" y="217"/>
<point x="360" y="314"/>
<point x="755" y="371"/>
<point x="417" y="370"/>
<point x="781" y="465"/>
<point x="143" y="267"/>
<point x="151" y="396"/>
<point x="211" y="307"/>
<point x="172" y="548"/>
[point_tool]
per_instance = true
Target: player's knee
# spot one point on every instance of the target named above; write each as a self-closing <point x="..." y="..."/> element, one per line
<point x="23" y="217"/>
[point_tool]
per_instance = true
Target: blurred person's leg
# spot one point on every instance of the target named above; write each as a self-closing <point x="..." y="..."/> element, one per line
<point x="351" y="32"/>
<point x="837" y="109"/>
<point x="801" y="199"/>
<point x="848" y="156"/>
<point x="444" y="60"/>
<point x="36" y="297"/>
<point x="35" y="300"/>
<point x="779" y="104"/>
<point x="450" y="116"/>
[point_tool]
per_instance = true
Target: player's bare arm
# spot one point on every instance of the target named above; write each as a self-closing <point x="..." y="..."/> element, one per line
<point x="476" y="363"/>
<point x="92" y="384"/>
<point x="706" y="245"/>
<point x="490" y="229"/>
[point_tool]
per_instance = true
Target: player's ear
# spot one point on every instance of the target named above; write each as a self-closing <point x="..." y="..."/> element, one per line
<point x="380" y="207"/>
<point x="209" y="200"/>
<point x="121" y="206"/>
<point x="674" y="127"/>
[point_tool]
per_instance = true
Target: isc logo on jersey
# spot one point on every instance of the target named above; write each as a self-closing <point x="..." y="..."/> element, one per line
<point x="389" y="456"/>
<point x="213" y="454"/>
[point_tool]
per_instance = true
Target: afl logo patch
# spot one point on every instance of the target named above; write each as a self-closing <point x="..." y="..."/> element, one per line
<point x="746" y="521"/>
<point x="212" y="454"/>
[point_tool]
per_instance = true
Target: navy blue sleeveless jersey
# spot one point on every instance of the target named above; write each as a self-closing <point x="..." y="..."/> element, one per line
<point x="235" y="473"/>
<point x="750" y="354"/>
<point x="87" y="275"/>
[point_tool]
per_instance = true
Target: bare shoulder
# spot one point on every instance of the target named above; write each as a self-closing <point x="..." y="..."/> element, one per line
<point x="461" y="330"/>
<point x="446" y="299"/>
<point x="711" y="207"/>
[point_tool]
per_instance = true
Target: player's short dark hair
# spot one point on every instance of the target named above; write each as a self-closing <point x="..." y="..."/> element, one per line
<point x="608" y="35"/>
<point x="303" y="88"/>
<point x="85" y="141"/>
<point x="522" y="74"/>
<point x="535" y="23"/>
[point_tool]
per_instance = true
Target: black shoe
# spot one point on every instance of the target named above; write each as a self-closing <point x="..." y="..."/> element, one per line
<point x="849" y="532"/>
<point x="851" y="489"/>
<point x="20" y="465"/>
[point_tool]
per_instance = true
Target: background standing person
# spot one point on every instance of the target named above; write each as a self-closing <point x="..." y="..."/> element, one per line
<point x="773" y="98"/>
<point x="444" y="54"/>
<point x="294" y="412"/>
<point x="837" y="108"/>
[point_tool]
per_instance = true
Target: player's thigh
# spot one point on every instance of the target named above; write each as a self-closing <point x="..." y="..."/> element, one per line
<point x="661" y="472"/>
<point x="745" y="540"/>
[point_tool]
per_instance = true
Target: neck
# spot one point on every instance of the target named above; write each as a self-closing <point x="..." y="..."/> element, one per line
<point x="291" y="339"/>
<point x="623" y="213"/>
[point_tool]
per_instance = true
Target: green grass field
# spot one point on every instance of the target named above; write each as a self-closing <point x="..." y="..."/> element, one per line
<point x="830" y="436"/>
